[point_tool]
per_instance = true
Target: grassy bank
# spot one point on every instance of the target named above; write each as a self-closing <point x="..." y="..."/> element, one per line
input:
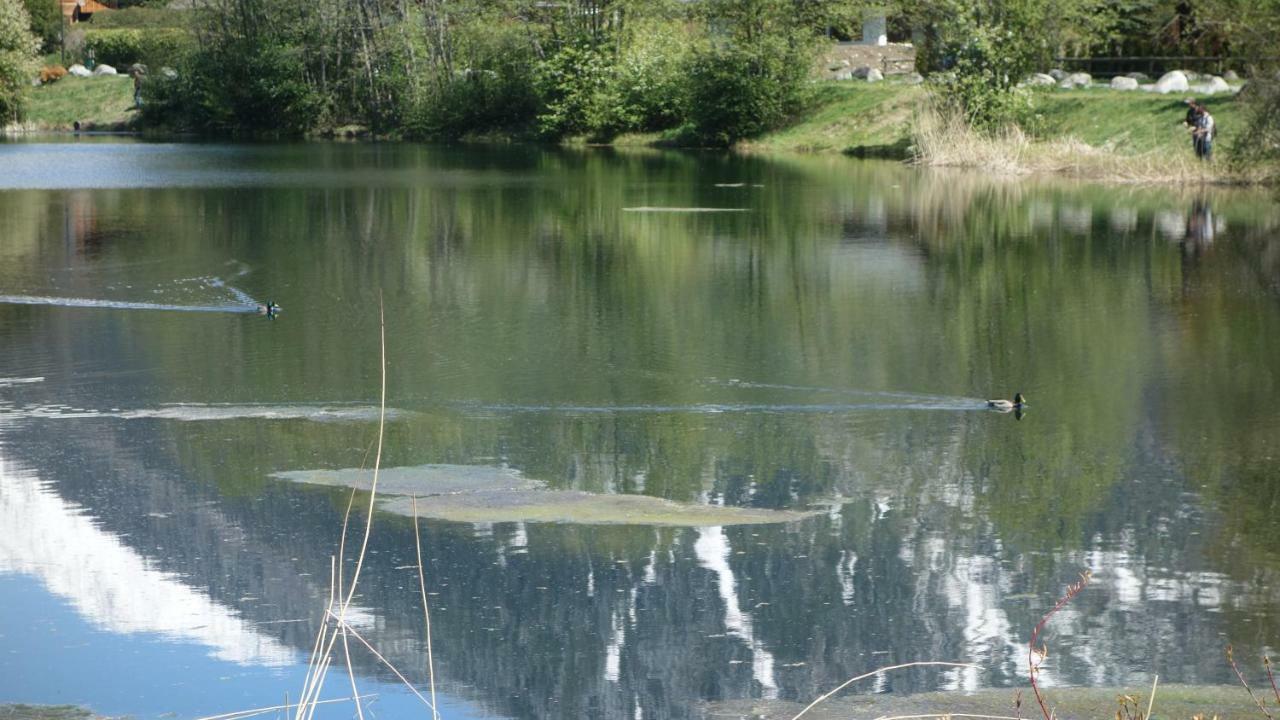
<point x="98" y="103"/>
<point x="1098" y="134"/>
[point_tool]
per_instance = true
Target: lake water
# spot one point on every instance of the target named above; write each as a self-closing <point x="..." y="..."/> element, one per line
<point x="812" y="334"/>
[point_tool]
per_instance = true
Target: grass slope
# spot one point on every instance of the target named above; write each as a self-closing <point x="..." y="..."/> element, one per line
<point x="854" y="117"/>
<point x="1130" y="123"/>
<point x="99" y="103"/>
<point x="849" y="117"/>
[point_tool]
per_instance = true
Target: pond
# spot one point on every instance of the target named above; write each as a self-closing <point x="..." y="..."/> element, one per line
<point x="686" y="430"/>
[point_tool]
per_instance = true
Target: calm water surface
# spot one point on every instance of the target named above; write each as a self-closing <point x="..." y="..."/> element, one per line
<point x="825" y="346"/>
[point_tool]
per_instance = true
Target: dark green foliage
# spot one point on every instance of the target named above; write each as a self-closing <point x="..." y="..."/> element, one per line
<point x="488" y="87"/>
<point x="233" y="89"/>
<point x="574" y="86"/>
<point x="984" y="50"/>
<point x="740" y="92"/>
<point x="1259" y="138"/>
<point x="121" y="48"/>
<point x="753" y="74"/>
<point x="18" y="46"/>
<point x="46" y="22"/>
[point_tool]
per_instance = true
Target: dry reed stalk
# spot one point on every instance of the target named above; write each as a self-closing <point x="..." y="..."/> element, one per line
<point x="316" y="673"/>
<point x="1033" y="665"/>
<point x="422" y="586"/>
<point x="391" y="667"/>
<point x="1152" y="700"/>
<point x="351" y="673"/>
<point x="880" y="671"/>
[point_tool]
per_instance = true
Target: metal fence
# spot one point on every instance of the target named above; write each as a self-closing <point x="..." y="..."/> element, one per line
<point x="1154" y="66"/>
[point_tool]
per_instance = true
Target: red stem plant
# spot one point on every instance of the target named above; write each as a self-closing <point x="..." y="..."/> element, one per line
<point x="1035" y="655"/>
<point x="1266" y="662"/>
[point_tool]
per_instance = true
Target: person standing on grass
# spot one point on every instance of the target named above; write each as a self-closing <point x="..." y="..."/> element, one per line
<point x="1203" y="133"/>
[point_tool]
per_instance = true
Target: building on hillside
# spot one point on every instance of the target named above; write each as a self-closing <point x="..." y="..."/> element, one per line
<point x="75" y="11"/>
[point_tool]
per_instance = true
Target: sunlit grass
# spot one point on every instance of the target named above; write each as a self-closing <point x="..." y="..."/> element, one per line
<point x="99" y="103"/>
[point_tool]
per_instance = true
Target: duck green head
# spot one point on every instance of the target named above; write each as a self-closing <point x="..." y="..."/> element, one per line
<point x="1018" y="399"/>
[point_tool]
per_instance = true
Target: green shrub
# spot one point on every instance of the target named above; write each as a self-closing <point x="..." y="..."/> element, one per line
<point x="46" y="22"/>
<point x="123" y="47"/>
<point x="574" y="86"/>
<point x="1259" y="137"/>
<point x="739" y="91"/>
<point x="18" y="58"/>
<point x="650" y="85"/>
<point x="233" y="88"/>
<point x="982" y="83"/>
<point x="490" y="86"/>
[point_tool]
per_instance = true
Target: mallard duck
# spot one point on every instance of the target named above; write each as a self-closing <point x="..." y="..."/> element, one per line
<point x="1007" y="405"/>
<point x="270" y="310"/>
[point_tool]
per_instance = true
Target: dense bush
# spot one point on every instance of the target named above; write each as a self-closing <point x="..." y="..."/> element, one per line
<point x="122" y="47"/>
<point x="635" y="82"/>
<point x="487" y="85"/>
<point x="1259" y="138"/>
<point x="46" y="22"/>
<point x="982" y="83"/>
<point x="18" y="59"/>
<point x="740" y="92"/>
<point x="986" y="48"/>
<point x="650" y="78"/>
<point x="751" y="72"/>
<point x="233" y="88"/>
<point x="574" y="85"/>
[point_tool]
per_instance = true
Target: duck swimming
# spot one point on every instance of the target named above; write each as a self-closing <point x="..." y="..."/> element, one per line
<point x="270" y="310"/>
<point x="1007" y="405"/>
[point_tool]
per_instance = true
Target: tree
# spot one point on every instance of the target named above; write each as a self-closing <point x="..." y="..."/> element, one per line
<point x="46" y="21"/>
<point x="751" y="74"/>
<point x="18" y="57"/>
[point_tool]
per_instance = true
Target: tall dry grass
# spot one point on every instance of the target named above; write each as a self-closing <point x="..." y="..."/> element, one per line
<point x="944" y="139"/>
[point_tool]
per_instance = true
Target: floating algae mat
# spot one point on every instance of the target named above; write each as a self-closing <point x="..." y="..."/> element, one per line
<point x="484" y="493"/>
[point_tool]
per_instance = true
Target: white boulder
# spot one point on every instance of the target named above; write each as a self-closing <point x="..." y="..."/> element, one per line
<point x="1123" y="83"/>
<point x="79" y="71"/>
<point x="874" y="75"/>
<point x="1040" y="80"/>
<point x="105" y="70"/>
<point x="1057" y="74"/>
<point x="1231" y="76"/>
<point x="1170" y="82"/>
<point x="1213" y="86"/>
<point x="1076" y="80"/>
<point x="1139" y="76"/>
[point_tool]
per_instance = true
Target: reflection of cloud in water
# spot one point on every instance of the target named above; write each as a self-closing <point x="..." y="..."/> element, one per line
<point x="712" y="549"/>
<point x="108" y="583"/>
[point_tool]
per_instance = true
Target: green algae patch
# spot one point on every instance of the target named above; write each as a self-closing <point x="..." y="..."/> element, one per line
<point x="480" y="493"/>
<point x="1227" y="702"/>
